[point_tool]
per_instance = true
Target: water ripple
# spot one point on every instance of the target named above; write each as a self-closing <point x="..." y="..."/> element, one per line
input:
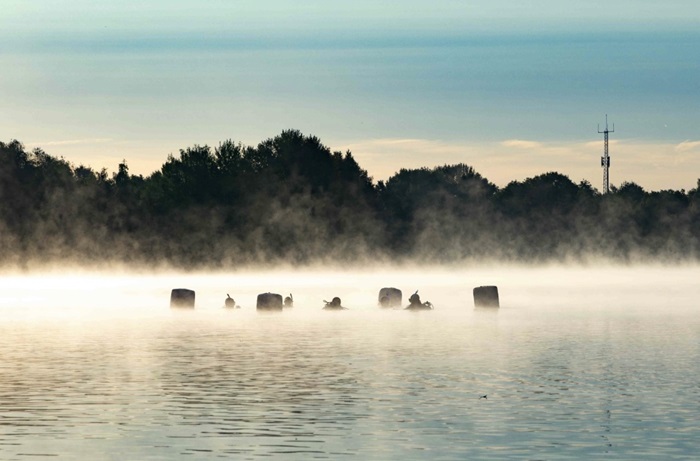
<point x="374" y="386"/>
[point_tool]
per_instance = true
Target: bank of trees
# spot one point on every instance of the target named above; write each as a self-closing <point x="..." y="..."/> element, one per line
<point x="290" y="199"/>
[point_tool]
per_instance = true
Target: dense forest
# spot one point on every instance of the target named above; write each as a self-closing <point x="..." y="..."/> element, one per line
<point x="291" y="200"/>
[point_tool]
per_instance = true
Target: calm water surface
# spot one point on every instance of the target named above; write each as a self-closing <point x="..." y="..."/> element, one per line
<point x="576" y="364"/>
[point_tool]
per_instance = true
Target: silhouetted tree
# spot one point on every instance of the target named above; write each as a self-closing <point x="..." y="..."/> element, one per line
<point x="291" y="199"/>
<point x="440" y="213"/>
<point x="538" y="216"/>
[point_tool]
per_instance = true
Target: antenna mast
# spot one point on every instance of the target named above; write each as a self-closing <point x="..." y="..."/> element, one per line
<point x="605" y="159"/>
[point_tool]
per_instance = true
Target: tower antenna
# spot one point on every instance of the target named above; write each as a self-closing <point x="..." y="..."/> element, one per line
<point x="605" y="159"/>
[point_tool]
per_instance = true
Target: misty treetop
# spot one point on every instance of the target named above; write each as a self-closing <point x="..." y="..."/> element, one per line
<point x="291" y="200"/>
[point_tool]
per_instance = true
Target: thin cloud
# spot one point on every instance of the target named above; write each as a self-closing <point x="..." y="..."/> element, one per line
<point x="71" y="142"/>
<point x="686" y="146"/>
<point x="522" y="144"/>
<point x="413" y="145"/>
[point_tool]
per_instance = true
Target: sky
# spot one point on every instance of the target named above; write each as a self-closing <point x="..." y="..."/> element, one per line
<point x="512" y="88"/>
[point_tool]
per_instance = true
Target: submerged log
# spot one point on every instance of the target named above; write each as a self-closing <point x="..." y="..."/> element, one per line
<point x="390" y="297"/>
<point x="486" y="296"/>
<point x="270" y="302"/>
<point x="182" y="297"/>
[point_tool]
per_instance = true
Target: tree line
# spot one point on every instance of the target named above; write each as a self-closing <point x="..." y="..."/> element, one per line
<point x="291" y="200"/>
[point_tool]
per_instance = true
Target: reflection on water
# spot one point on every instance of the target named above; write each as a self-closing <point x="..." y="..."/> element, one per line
<point x="571" y="369"/>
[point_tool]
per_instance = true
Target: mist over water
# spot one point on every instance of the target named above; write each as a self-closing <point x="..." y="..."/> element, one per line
<point x="578" y="362"/>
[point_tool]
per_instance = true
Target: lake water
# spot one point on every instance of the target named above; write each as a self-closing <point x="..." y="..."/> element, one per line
<point x="578" y="363"/>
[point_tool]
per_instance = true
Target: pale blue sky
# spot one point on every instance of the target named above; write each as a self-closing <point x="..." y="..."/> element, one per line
<point x="513" y="88"/>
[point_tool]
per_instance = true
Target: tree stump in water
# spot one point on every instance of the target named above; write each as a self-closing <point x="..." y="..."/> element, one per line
<point x="390" y="297"/>
<point x="486" y="296"/>
<point x="182" y="297"/>
<point x="269" y="302"/>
